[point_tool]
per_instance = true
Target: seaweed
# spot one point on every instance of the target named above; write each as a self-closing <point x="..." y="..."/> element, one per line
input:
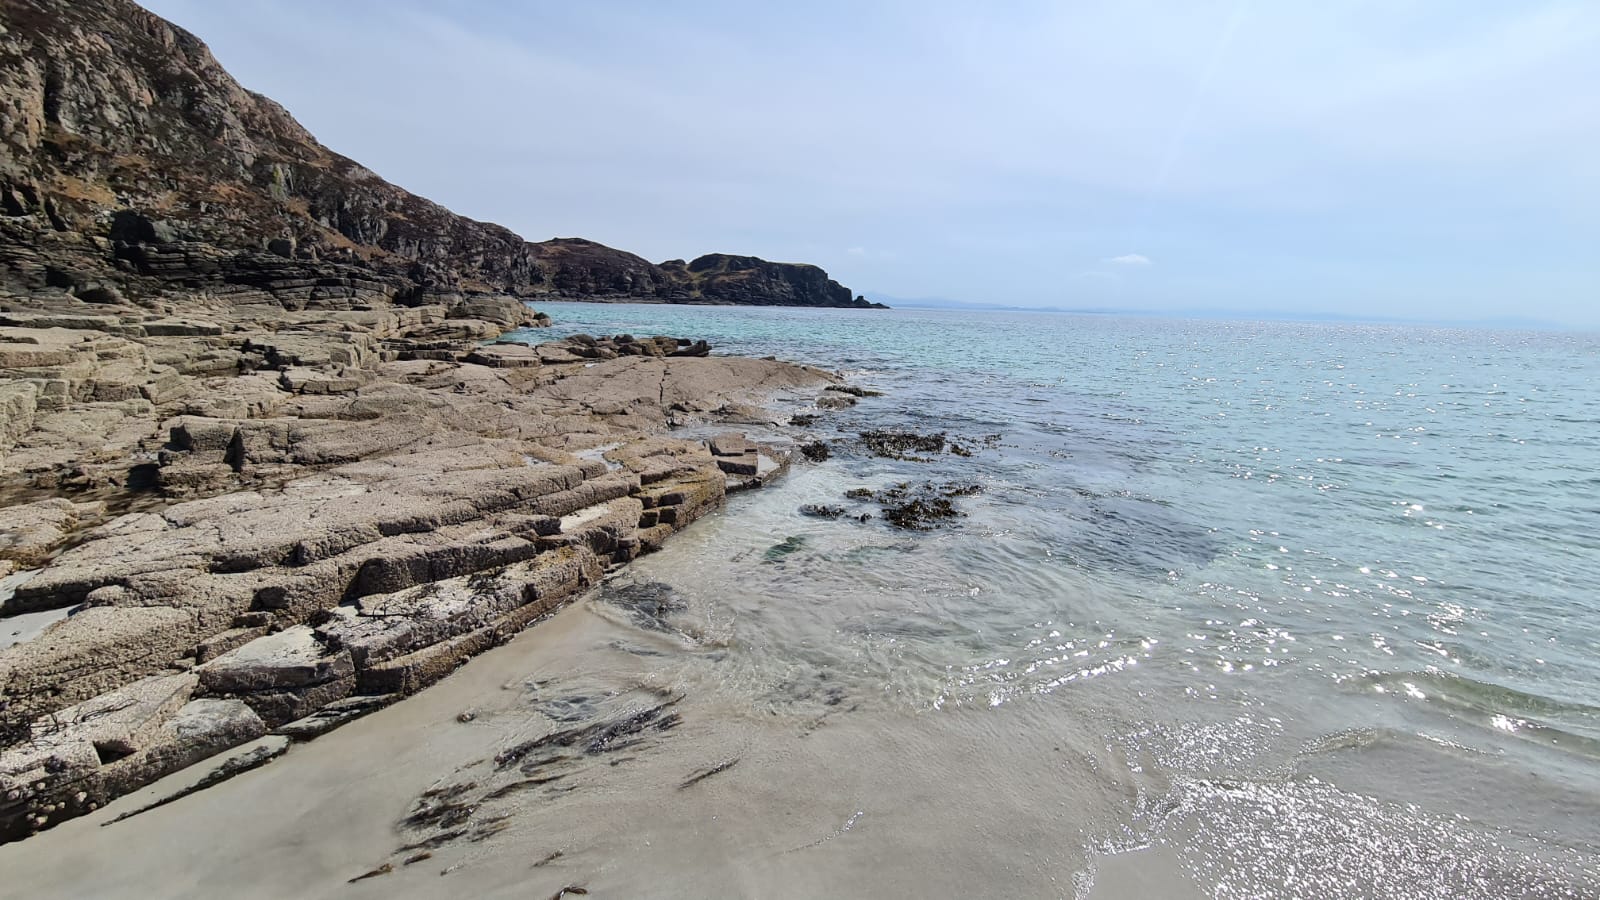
<point x="917" y="507"/>
<point x="384" y="869"/>
<point x="702" y="774"/>
<point x="788" y="545"/>
<point x="590" y="740"/>
<point x="821" y="511"/>
<point x="904" y="445"/>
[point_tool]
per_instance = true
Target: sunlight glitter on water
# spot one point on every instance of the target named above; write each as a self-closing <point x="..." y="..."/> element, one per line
<point x="1157" y="555"/>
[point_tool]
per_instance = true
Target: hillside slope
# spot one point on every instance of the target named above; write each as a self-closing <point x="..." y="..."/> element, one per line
<point x="132" y="162"/>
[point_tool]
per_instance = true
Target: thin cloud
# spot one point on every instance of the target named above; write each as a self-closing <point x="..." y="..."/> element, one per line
<point x="1130" y="259"/>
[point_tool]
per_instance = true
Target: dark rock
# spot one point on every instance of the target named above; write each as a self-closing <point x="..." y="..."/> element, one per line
<point x="816" y="451"/>
<point x="903" y="444"/>
<point x="698" y="348"/>
<point x="747" y="280"/>
<point x="650" y="604"/>
<point x="919" y="507"/>
<point x="854" y="391"/>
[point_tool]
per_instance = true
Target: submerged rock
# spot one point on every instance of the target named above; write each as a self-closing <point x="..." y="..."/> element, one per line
<point x="650" y="604"/>
<point x="788" y="545"/>
<point x="904" y="445"/>
<point x="917" y="507"/>
<point x="821" y="511"/>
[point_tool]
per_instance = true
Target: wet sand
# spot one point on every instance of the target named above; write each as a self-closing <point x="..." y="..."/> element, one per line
<point x="785" y="818"/>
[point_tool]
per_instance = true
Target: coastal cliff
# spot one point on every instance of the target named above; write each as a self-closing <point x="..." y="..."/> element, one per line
<point x="266" y="461"/>
<point x="131" y="162"/>
<point x="746" y="280"/>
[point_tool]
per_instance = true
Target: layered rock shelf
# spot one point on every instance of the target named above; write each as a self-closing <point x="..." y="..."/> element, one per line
<point x="247" y="525"/>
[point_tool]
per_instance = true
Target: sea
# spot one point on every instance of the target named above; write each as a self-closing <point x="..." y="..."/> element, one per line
<point x="1223" y="609"/>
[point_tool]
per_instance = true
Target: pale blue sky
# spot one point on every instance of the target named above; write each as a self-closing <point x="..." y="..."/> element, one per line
<point x="1418" y="158"/>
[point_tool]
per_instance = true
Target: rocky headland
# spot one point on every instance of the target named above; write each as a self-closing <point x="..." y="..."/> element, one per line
<point x="266" y="462"/>
<point x="131" y="164"/>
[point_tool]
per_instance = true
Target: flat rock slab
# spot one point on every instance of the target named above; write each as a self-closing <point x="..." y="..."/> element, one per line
<point x="181" y="328"/>
<point x="504" y="356"/>
<point x="334" y="715"/>
<point x="292" y="658"/>
<point x="212" y="722"/>
<point x="731" y="445"/>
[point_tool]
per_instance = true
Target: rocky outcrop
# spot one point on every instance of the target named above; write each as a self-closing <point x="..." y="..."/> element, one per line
<point x="132" y="165"/>
<point x="746" y="280"/>
<point x="130" y="161"/>
<point x="364" y="500"/>
<point x="584" y="270"/>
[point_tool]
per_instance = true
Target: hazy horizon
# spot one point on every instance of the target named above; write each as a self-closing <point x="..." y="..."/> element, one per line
<point x="1427" y="160"/>
<point x="1308" y="316"/>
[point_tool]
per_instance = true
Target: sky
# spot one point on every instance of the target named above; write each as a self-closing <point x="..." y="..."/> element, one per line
<point x="1429" y="159"/>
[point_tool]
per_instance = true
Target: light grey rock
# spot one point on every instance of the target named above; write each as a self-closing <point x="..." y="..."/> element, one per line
<point x="30" y="532"/>
<point x="293" y="658"/>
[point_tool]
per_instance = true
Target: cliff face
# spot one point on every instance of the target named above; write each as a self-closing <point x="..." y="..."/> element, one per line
<point x="131" y="161"/>
<point x="746" y="280"/>
<point x="110" y="109"/>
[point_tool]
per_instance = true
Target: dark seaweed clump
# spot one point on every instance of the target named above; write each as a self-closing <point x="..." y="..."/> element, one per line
<point x="904" y="445"/>
<point x="854" y="391"/>
<point x="821" y="511"/>
<point x="788" y="545"/>
<point x="649" y="603"/>
<point x="816" y="451"/>
<point x="919" y="507"/>
<point x="601" y="737"/>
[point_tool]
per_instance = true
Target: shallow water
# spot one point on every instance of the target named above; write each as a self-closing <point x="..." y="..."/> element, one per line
<point x="1328" y="591"/>
<point x="1237" y="610"/>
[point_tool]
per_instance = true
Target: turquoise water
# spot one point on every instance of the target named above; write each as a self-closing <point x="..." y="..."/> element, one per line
<point x="1354" y="567"/>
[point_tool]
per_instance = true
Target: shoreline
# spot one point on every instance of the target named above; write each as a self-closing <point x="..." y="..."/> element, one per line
<point x="820" y="716"/>
<point x="373" y="498"/>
